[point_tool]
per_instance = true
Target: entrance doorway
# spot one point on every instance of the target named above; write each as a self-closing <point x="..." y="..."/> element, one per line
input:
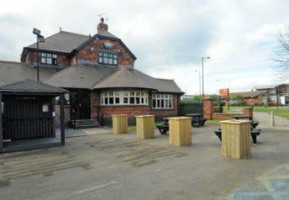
<point x="80" y="104"/>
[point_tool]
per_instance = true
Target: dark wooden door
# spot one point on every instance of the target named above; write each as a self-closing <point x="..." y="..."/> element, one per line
<point x="80" y="104"/>
<point x="27" y="117"/>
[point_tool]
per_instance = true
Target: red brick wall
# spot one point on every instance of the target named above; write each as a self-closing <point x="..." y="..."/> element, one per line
<point x="222" y="116"/>
<point x="62" y="60"/>
<point x="250" y="100"/>
<point x="208" y="108"/>
<point x="90" y="52"/>
<point x="248" y="111"/>
<point x="131" y="111"/>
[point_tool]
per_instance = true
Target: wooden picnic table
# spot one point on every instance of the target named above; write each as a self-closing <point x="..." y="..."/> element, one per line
<point x="242" y="117"/>
<point x="194" y="115"/>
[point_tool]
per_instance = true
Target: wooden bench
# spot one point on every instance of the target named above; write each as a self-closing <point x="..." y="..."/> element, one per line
<point x="254" y="134"/>
<point x="163" y="128"/>
<point x="197" y="122"/>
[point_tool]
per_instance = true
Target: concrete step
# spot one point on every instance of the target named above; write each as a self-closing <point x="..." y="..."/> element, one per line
<point x="85" y="123"/>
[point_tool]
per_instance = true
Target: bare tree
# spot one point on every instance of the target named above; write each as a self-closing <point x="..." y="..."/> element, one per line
<point x="281" y="56"/>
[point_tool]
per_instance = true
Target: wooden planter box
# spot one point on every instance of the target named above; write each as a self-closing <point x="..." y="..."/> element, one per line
<point x="145" y="126"/>
<point x="180" y="131"/>
<point x="119" y="124"/>
<point x="236" y="138"/>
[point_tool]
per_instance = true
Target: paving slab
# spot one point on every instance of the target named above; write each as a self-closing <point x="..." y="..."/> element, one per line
<point x="104" y="166"/>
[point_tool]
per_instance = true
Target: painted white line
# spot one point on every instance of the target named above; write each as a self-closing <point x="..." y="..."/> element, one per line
<point x="97" y="187"/>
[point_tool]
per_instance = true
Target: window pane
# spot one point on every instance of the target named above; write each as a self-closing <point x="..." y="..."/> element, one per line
<point x="105" y="60"/>
<point x="142" y="100"/>
<point x="137" y="93"/>
<point x="100" y="54"/>
<point x="100" y="59"/>
<point x="131" y="100"/>
<point x="125" y="100"/>
<point x="49" y="55"/>
<point x="110" y="61"/>
<point x="137" y="99"/>
<point x="162" y="103"/>
<point x="116" y="100"/>
<point x="43" y="60"/>
<point x="154" y="103"/>
<point x="115" y="62"/>
<point x="106" y="101"/>
<point x="110" y="100"/>
<point x="131" y="93"/>
<point x="114" y="55"/>
<point x="158" y="103"/>
<point x="105" y="54"/>
<point x="49" y="60"/>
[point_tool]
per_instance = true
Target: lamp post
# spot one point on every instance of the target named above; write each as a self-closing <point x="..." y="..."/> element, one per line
<point x="39" y="38"/>
<point x="200" y="87"/>
<point x="203" y="85"/>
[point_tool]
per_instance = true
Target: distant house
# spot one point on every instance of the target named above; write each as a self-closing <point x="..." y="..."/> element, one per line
<point x="99" y="73"/>
<point x="274" y="92"/>
<point x="251" y="97"/>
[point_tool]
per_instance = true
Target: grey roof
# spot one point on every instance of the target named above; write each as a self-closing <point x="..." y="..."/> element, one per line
<point x="250" y="94"/>
<point x="168" y="85"/>
<point x="79" y="76"/>
<point x="127" y="78"/>
<point x="31" y="86"/>
<point x="62" y="41"/>
<point x="102" y="77"/>
<point x="106" y="34"/>
<point x="11" y="72"/>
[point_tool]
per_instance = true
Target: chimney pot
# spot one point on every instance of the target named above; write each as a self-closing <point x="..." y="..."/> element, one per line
<point x="102" y="26"/>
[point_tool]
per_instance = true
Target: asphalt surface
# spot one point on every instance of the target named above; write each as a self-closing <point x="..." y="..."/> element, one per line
<point x="100" y="165"/>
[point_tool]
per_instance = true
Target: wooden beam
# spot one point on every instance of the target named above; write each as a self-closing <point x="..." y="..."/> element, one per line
<point x="1" y="126"/>
<point x="62" y="125"/>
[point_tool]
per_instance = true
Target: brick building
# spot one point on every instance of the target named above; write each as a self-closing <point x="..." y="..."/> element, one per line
<point x="99" y="72"/>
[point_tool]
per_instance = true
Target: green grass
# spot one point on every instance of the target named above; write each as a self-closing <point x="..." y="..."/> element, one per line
<point x="279" y="112"/>
<point x="212" y="122"/>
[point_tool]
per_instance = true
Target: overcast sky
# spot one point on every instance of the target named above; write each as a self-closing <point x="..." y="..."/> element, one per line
<point x="168" y="37"/>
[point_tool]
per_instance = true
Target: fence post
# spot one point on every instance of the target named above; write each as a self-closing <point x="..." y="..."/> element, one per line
<point x="272" y="119"/>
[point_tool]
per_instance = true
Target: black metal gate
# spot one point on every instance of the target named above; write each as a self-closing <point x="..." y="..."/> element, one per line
<point x="186" y="108"/>
<point x="80" y="104"/>
<point x="27" y="117"/>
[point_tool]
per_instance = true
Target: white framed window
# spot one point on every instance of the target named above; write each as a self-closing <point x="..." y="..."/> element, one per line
<point x="162" y="101"/>
<point x="124" y="97"/>
<point x="107" y="58"/>
<point x="48" y="58"/>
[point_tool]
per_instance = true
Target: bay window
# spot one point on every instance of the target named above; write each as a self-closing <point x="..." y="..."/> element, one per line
<point x="134" y="97"/>
<point x="162" y="101"/>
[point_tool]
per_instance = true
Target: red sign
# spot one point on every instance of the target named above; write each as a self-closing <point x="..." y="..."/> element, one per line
<point x="224" y="92"/>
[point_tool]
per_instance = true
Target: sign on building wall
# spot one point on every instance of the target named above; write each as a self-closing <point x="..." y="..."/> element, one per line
<point x="224" y="93"/>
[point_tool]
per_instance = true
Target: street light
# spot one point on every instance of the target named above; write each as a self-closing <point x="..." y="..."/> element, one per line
<point x="200" y="88"/>
<point x="39" y="38"/>
<point x="203" y="85"/>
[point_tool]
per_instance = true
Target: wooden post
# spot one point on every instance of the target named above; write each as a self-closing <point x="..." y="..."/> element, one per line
<point x="119" y="124"/>
<point x="62" y="126"/>
<point x="145" y="126"/>
<point x="236" y="138"/>
<point x="180" y="131"/>
<point x="272" y="119"/>
<point x="1" y="128"/>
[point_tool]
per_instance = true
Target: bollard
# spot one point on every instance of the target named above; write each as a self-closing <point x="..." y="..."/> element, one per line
<point x="236" y="141"/>
<point x="272" y="119"/>
<point x="180" y="131"/>
<point x="145" y="126"/>
<point x="119" y="124"/>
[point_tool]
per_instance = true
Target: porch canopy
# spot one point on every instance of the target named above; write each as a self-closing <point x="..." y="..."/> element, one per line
<point x="27" y="113"/>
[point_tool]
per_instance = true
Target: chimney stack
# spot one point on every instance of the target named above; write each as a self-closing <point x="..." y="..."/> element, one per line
<point x="102" y="26"/>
